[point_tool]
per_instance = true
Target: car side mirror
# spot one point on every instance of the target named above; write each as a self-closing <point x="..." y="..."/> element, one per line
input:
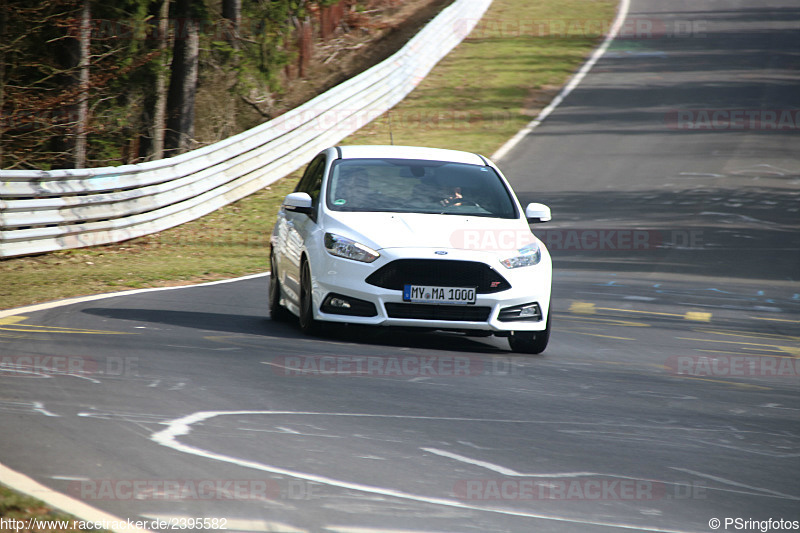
<point x="536" y="213"/>
<point x="299" y="202"/>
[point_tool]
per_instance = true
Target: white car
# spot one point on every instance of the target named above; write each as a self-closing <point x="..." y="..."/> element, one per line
<point x="411" y="237"/>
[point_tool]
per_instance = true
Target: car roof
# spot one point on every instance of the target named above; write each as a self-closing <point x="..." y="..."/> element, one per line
<point x="408" y="152"/>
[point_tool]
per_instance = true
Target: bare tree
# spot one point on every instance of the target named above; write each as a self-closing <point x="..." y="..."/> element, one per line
<point x="3" y="8"/>
<point x="81" y="126"/>
<point x="160" y="110"/>
<point x="183" y="81"/>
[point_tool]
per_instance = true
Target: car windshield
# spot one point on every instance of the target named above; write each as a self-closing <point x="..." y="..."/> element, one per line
<point x="417" y="186"/>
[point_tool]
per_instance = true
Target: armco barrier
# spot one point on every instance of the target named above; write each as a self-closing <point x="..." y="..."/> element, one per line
<point x="42" y="211"/>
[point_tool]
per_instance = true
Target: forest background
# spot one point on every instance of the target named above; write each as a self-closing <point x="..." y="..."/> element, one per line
<point x="90" y="83"/>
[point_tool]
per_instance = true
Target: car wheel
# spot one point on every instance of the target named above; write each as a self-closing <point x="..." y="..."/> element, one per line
<point x="533" y="342"/>
<point x="307" y="322"/>
<point x="276" y="310"/>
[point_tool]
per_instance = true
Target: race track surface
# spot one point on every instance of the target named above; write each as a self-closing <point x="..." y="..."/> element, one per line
<point x="668" y="396"/>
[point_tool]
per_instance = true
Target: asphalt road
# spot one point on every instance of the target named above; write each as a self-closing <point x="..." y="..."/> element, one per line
<point x="667" y="398"/>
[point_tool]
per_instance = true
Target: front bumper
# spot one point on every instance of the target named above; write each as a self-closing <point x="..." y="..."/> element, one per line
<point x="341" y="279"/>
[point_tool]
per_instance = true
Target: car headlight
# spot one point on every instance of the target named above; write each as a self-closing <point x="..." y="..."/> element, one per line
<point x="349" y="249"/>
<point x="528" y="255"/>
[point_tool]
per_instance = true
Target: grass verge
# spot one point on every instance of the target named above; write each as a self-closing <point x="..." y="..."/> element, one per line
<point x="512" y="64"/>
<point x="23" y="514"/>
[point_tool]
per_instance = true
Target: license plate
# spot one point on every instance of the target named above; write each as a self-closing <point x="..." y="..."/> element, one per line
<point x="438" y="295"/>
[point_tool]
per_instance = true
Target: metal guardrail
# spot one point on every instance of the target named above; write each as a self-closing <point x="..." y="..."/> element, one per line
<point x="42" y="211"/>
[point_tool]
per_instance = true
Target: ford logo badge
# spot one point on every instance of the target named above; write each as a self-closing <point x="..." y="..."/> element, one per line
<point x="440" y="252"/>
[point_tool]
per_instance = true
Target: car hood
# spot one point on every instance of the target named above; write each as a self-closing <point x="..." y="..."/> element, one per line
<point x="414" y="230"/>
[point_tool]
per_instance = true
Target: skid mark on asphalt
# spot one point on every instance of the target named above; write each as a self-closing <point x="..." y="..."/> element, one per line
<point x="757" y="491"/>
<point x="734" y="384"/>
<point x="734" y="483"/>
<point x="125" y="417"/>
<point x="170" y="438"/>
<point x="793" y="351"/>
<point x="701" y="337"/>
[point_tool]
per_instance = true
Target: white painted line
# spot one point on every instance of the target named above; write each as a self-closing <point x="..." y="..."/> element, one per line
<point x="22" y="483"/>
<point x="507" y="471"/>
<point x="570" y="86"/>
<point x="483" y="464"/>
<point x="559" y="475"/>
<point x="82" y="299"/>
<point x="182" y="426"/>
<point x="736" y="483"/>
<point x="40" y="408"/>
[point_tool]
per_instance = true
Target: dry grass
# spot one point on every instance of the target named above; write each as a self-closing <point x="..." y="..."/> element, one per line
<point x="475" y="99"/>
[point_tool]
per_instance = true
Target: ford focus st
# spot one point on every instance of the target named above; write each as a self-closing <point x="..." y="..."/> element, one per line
<point x="411" y="237"/>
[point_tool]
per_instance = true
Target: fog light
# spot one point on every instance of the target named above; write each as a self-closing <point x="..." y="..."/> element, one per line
<point x="530" y="311"/>
<point x="340" y="303"/>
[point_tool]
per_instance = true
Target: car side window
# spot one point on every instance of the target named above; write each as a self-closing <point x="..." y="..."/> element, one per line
<point x="315" y="167"/>
<point x="311" y="182"/>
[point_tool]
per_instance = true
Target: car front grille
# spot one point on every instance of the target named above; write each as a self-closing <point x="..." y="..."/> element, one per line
<point x="439" y="273"/>
<point x="464" y="313"/>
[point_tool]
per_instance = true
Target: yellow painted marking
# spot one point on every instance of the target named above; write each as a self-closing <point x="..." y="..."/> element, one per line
<point x="751" y="335"/>
<point x="639" y="311"/>
<point x="611" y="321"/>
<point x="8" y="321"/>
<point x="734" y="383"/>
<point x="723" y="352"/>
<point x="590" y="309"/>
<point x="788" y="349"/>
<point x="761" y="349"/>
<point x="13" y="323"/>
<point x="584" y="308"/>
<point x="776" y="320"/>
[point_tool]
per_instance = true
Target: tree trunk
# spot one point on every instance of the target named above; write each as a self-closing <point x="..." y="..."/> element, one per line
<point x="3" y="125"/>
<point x="82" y="121"/>
<point x="160" y="110"/>
<point x="183" y="81"/>
<point x="232" y="12"/>
<point x="305" y="44"/>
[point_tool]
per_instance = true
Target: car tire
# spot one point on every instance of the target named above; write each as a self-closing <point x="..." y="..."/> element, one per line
<point x="307" y="322"/>
<point x="276" y="310"/>
<point x="533" y="342"/>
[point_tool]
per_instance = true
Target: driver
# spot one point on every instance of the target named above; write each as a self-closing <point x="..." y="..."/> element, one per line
<point x="455" y="199"/>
